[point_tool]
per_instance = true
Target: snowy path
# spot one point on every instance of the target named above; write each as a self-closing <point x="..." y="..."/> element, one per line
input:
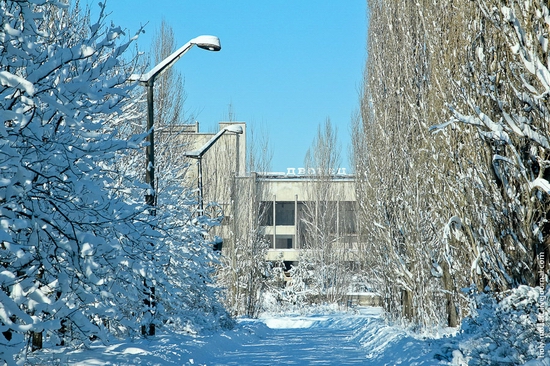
<point x="350" y="338"/>
<point x="301" y="341"/>
<point x="360" y="338"/>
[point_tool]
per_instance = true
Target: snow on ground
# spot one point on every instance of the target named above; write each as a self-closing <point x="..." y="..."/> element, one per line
<point x="270" y="339"/>
<point x="338" y="338"/>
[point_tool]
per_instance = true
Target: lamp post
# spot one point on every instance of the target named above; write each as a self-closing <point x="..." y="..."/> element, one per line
<point x="210" y="43"/>
<point x="198" y="154"/>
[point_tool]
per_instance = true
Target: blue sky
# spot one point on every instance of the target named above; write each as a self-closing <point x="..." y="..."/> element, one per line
<point x="285" y="65"/>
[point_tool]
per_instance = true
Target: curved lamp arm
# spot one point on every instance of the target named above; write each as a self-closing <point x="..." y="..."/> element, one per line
<point x="210" y="43"/>
<point x="197" y="154"/>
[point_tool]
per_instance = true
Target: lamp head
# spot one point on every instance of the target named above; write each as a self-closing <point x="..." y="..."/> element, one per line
<point x="210" y="43"/>
<point x="238" y="129"/>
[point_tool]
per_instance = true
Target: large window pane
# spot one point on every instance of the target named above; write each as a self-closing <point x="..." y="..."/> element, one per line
<point x="284" y="212"/>
<point x="284" y="242"/>
<point x="348" y="220"/>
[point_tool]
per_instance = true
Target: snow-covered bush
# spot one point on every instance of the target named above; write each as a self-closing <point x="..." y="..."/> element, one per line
<point x="510" y="330"/>
<point x="186" y="290"/>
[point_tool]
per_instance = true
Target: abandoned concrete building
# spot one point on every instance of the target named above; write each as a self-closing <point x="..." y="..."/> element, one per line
<point x="284" y="208"/>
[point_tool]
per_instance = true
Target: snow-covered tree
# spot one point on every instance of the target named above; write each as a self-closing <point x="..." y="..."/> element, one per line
<point x="506" y="104"/>
<point x="466" y="204"/>
<point x="322" y="273"/>
<point x="72" y="248"/>
<point x="78" y="247"/>
<point x="185" y="296"/>
<point x="244" y="273"/>
<point x="402" y="188"/>
<point x="169" y="87"/>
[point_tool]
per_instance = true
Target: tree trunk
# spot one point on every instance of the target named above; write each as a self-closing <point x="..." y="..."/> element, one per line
<point x="406" y="302"/>
<point x="36" y="341"/>
<point x="452" y="315"/>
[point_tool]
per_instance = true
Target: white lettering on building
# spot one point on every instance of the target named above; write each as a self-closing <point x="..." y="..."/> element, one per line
<point x="313" y="171"/>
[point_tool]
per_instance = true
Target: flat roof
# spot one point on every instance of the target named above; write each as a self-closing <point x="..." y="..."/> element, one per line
<point x="301" y="177"/>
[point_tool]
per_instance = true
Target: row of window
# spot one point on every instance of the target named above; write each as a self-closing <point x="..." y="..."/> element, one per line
<point x="335" y="216"/>
<point x="288" y="242"/>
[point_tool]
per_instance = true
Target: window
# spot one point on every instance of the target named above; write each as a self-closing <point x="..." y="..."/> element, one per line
<point x="284" y="212"/>
<point x="266" y="213"/>
<point x="347" y="219"/>
<point x="284" y="241"/>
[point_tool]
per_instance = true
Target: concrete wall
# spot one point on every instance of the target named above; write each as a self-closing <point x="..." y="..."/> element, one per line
<point x="286" y="188"/>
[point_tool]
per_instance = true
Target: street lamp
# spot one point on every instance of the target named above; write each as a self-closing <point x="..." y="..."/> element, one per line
<point x="198" y="154"/>
<point x="210" y="43"/>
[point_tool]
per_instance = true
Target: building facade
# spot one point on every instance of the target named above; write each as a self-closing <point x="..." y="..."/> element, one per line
<point x="292" y="208"/>
<point x="291" y="211"/>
